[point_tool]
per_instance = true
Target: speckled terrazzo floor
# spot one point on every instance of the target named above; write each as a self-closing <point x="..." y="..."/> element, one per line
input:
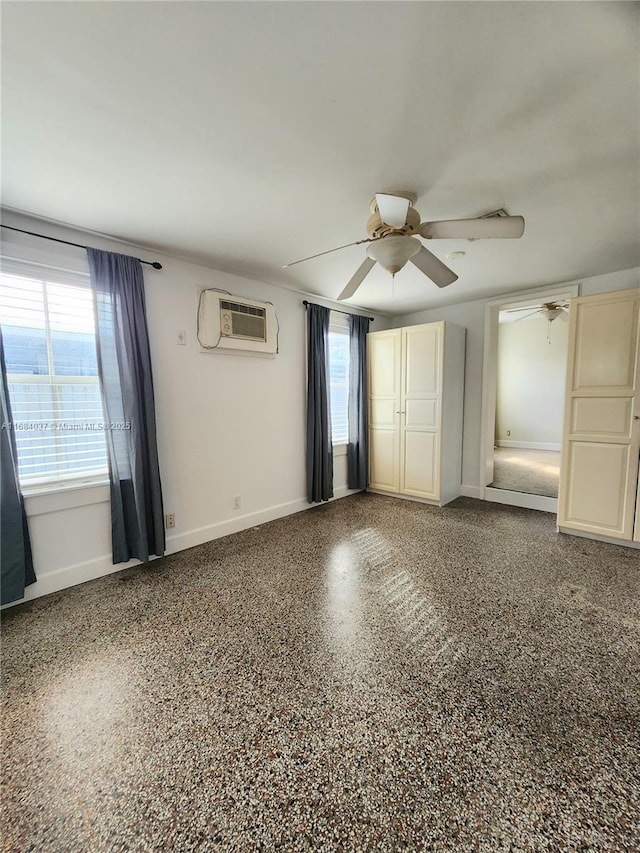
<point x="370" y="675"/>
<point x="535" y="472"/>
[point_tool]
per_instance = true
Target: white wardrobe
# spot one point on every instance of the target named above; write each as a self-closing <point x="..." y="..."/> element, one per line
<point x="599" y="476"/>
<point x="415" y="397"/>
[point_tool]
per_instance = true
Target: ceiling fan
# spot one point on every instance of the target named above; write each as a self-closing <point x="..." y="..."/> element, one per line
<point x="392" y="226"/>
<point x="549" y="310"/>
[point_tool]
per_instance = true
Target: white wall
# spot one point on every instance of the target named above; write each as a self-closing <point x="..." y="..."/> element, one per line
<point x="532" y="358"/>
<point x="227" y="425"/>
<point x="472" y="315"/>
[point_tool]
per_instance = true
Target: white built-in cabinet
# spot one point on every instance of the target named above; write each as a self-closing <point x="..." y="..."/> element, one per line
<point x="599" y="477"/>
<point x="415" y="399"/>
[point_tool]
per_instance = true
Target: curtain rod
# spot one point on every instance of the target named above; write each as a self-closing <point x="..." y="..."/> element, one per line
<point x="305" y="302"/>
<point x="155" y="264"/>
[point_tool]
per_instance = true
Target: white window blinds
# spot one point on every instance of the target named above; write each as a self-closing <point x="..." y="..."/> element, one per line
<point x="48" y="330"/>
<point x="339" y="383"/>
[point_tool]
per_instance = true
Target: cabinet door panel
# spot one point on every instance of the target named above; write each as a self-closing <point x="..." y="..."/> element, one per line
<point x="383" y="362"/>
<point x="610" y="416"/>
<point x="606" y="334"/>
<point x="420" y="465"/>
<point x="422" y="348"/>
<point x="422" y="355"/>
<point x="596" y="496"/>
<point x="383" y="460"/>
<point x="383" y="414"/>
<point x="422" y="413"/>
<point x="601" y="442"/>
<point x="383" y="352"/>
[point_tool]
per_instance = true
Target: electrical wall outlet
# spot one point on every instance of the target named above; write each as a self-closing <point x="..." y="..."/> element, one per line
<point x="237" y="502"/>
<point x="170" y="520"/>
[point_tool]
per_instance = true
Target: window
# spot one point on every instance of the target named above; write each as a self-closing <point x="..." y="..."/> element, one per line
<point x="48" y="329"/>
<point x="339" y="382"/>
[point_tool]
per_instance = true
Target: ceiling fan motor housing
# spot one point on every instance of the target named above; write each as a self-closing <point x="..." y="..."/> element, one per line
<point x="377" y="228"/>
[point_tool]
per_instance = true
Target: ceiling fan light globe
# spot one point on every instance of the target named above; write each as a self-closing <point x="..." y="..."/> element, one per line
<point x="550" y="314"/>
<point x="393" y="252"/>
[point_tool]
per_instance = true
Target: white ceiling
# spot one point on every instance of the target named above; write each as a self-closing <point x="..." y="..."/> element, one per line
<point x="246" y="135"/>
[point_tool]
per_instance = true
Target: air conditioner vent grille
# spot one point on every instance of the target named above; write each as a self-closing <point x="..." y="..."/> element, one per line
<point x="238" y="320"/>
<point x="239" y="308"/>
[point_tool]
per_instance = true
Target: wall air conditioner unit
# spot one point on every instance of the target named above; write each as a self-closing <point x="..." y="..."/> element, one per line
<point x="229" y="323"/>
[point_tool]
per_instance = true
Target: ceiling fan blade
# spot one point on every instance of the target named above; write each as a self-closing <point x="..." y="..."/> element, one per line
<point x="357" y="278"/>
<point x="517" y="320"/>
<point x="433" y="268"/>
<point x="474" y="229"/>
<point x="393" y="209"/>
<point x="328" y="252"/>
<point x="528" y="308"/>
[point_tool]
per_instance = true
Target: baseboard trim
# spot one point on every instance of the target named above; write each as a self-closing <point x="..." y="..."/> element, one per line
<point x="70" y="576"/>
<point x="200" y="535"/>
<point x="529" y="445"/>
<point x="102" y="566"/>
<point x="539" y="502"/>
<point x="181" y="541"/>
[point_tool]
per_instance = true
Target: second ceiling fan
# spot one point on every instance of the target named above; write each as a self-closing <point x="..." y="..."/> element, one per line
<point x="394" y="226"/>
<point x="549" y="310"/>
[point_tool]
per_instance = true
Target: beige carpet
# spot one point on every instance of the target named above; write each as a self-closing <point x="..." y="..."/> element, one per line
<point x="535" y="472"/>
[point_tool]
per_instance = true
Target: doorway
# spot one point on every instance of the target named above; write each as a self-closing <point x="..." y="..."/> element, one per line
<point x="523" y="397"/>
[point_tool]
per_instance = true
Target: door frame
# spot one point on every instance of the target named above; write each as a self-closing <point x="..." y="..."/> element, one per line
<point x="489" y="393"/>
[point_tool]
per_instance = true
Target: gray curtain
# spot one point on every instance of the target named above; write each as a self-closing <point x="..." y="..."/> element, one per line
<point x="319" y="447"/>
<point x="357" y="449"/>
<point x="124" y="366"/>
<point x="15" y="545"/>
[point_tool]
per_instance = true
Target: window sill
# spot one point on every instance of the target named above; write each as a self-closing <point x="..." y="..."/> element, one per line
<point x="340" y="449"/>
<point x="64" y="486"/>
<point x="49" y="497"/>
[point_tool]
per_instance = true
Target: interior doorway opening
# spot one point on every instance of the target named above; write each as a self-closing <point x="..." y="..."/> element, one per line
<point x="526" y="345"/>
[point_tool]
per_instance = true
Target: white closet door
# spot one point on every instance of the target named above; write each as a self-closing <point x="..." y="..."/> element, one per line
<point x="421" y="414"/>
<point x="383" y="363"/>
<point x="601" y="436"/>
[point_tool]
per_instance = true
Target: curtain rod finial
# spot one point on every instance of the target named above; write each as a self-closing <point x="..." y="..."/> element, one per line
<point x="156" y="265"/>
